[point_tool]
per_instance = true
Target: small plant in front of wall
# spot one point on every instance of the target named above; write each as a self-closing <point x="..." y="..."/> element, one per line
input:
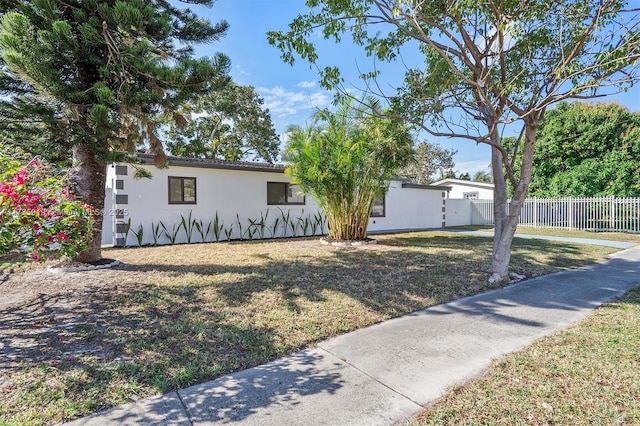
<point x="293" y="225"/>
<point x="274" y="228"/>
<point x="228" y="232"/>
<point x="188" y="225"/>
<point x="126" y="233"/>
<point x="172" y="234"/>
<point x="286" y="220"/>
<point x="202" y="230"/>
<point x="252" y="229"/>
<point x="156" y="232"/>
<point x="139" y="234"/>
<point x="261" y="224"/>
<point x="317" y="224"/>
<point x="217" y="227"/>
<point x="239" y="226"/>
<point x="304" y="223"/>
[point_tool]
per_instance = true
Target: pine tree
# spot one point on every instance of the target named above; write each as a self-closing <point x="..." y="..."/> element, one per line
<point x="92" y="78"/>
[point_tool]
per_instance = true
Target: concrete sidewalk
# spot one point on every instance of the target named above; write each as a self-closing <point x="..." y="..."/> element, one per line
<point x="383" y="374"/>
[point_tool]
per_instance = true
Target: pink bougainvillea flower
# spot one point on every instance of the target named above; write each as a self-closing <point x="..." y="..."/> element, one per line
<point x="21" y="177"/>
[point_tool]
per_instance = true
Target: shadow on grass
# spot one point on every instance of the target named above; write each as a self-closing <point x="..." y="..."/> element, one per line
<point x="102" y="345"/>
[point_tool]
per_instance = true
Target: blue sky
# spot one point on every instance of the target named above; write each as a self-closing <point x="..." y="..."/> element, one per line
<point x="292" y="93"/>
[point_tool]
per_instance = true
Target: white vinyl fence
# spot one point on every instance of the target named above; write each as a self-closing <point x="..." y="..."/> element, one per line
<point x="591" y="214"/>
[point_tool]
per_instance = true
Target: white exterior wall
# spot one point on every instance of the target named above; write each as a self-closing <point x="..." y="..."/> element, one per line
<point x="230" y="193"/>
<point x="458" y="212"/>
<point x="457" y="191"/>
<point x="410" y="208"/>
<point x="108" y="215"/>
<point x="243" y="194"/>
<point x="460" y="187"/>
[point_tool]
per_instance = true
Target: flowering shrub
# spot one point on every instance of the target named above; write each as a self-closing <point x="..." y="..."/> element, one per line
<point x="38" y="214"/>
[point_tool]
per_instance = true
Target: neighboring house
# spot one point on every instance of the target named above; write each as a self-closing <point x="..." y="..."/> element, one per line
<point x="460" y="208"/>
<point x="465" y="189"/>
<point x="223" y="200"/>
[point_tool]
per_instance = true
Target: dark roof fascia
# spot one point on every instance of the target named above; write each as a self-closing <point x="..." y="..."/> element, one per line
<point x="479" y="185"/>
<point x="418" y="186"/>
<point x="202" y="163"/>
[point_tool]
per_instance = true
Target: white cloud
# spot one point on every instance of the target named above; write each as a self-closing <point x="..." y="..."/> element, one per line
<point x="306" y="84"/>
<point x="282" y="102"/>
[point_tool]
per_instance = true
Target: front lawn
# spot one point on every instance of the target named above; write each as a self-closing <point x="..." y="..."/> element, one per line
<point x="172" y="316"/>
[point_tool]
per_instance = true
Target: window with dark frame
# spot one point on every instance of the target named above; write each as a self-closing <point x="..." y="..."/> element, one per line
<point x="378" y="208"/>
<point x="281" y="193"/>
<point x="182" y="190"/>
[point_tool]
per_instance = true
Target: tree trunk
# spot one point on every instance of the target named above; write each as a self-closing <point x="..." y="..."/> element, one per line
<point x="507" y="215"/>
<point x="504" y="229"/>
<point x="90" y="185"/>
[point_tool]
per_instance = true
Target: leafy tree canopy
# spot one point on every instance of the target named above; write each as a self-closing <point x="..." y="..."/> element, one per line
<point x="345" y="160"/>
<point x="227" y="124"/>
<point x="482" y="176"/>
<point x="588" y="150"/>
<point x="428" y="160"/>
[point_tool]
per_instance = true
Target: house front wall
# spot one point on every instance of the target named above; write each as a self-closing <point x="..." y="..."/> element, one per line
<point x="410" y="208"/>
<point x="232" y="204"/>
<point x="237" y="198"/>
<point x="463" y="192"/>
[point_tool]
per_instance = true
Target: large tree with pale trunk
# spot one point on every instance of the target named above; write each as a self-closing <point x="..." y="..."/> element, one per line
<point x="94" y="78"/>
<point x="489" y="66"/>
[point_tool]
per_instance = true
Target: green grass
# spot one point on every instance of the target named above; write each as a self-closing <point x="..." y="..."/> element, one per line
<point x="586" y="375"/>
<point x="612" y="236"/>
<point x="173" y="316"/>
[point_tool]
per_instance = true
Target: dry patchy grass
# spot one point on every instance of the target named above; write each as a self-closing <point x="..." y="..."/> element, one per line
<point x="613" y="236"/>
<point x="586" y="375"/>
<point x="570" y="233"/>
<point x="173" y="316"/>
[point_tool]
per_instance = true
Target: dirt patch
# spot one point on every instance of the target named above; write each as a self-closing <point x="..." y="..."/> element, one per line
<point x="41" y="306"/>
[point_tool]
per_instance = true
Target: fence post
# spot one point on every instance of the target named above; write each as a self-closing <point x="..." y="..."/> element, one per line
<point x="570" y="212"/>
<point x="612" y="215"/>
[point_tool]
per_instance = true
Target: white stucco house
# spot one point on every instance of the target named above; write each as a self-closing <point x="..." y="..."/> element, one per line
<point x="467" y="190"/>
<point x="223" y="200"/>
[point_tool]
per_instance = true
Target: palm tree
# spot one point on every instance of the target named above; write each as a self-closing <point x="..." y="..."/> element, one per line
<point x="345" y="160"/>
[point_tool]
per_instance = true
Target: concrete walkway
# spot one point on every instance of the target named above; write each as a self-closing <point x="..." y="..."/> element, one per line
<point x="383" y="374"/>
